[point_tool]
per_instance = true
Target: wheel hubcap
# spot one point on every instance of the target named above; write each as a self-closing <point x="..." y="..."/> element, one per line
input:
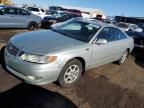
<point x="31" y="27"/>
<point x="71" y="74"/>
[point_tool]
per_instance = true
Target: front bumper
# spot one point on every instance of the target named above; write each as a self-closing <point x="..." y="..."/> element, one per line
<point x="32" y="73"/>
<point x="48" y="23"/>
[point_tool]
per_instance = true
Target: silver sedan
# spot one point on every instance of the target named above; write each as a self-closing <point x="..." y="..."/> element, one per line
<point x="65" y="52"/>
<point x="14" y="17"/>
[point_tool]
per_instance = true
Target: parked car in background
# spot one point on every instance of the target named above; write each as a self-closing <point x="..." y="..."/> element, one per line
<point x="141" y="25"/>
<point x="110" y="22"/>
<point x="127" y="26"/>
<point x="14" y="17"/>
<point x="74" y="12"/>
<point x="55" y="8"/>
<point x="65" y="52"/>
<point x="37" y="11"/>
<point x="55" y="18"/>
<point x="138" y="38"/>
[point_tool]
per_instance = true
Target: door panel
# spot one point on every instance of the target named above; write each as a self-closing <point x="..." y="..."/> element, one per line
<point x="13" y="19"/>
<point x="22" y="18"/>
<point x="102" y="54"/>
<point x="6" y="21"/>
<point x="20" y="21"/>
<point x="112" y="50"/>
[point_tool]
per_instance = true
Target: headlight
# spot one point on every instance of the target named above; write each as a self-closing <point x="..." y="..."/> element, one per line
<point x="38" y="59"/>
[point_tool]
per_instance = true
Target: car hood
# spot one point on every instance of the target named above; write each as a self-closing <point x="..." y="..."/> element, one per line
<point x="43" y="42"/>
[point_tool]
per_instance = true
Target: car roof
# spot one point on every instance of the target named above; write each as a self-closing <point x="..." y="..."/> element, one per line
<point x="8" y="6"/>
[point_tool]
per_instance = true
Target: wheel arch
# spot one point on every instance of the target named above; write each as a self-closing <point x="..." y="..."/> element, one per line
<point x="32" y="22"/>
<point x="81" y="59"/>
<point x="83" y="63"/>
<point x="128" y="49"/>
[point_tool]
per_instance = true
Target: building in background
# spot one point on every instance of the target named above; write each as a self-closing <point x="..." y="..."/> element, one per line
<point x="85" y="12"/>
<point x="88" y="12"/>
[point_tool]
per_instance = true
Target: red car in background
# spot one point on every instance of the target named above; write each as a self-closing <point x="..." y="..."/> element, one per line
<point x="74" y="12"/>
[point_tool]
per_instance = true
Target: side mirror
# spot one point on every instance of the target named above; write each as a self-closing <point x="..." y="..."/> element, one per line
<point x="101" y="41"/>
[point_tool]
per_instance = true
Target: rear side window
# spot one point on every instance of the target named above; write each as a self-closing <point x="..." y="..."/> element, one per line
<point x="108" y="34"/>
<point x="111" y="34"/>
<point x="119" y="34"/>
<point x="22" y="12"/>
<point x="11" y="11"/>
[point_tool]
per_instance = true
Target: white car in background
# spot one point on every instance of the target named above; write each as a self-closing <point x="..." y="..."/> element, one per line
<point x="127" y="26"/>
<point x="37" y="11"/>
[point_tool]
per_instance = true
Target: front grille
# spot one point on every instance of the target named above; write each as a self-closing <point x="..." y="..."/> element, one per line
<point x="13" y="50"/>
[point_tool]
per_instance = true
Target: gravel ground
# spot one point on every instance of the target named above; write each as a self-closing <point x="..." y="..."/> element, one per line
<point x="108" y="86"/>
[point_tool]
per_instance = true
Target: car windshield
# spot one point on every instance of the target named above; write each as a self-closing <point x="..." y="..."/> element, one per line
<point x="33" y="9"/>
<point x="123" y="25"/>
<point x="78" y="30"/>
<point x="42" y="10"/>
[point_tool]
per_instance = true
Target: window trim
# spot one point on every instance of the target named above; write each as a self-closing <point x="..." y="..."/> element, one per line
<point x="113" y="31"/>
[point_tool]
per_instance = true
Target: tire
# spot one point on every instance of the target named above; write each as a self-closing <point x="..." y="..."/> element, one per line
<point x="2" y="61"/>
<point x="32" y="26"/>
<point x="123" y="57"/>
<point x="70" y="73"/>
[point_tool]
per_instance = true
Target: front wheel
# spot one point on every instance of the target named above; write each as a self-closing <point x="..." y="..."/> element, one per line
<point x="70" y="73"/>
<point x="123" y="57"/>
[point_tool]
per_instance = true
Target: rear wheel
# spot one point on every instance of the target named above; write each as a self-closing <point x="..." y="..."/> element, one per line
<point x="123" y="57"/>
<point x="32" y="26"/>
<point x="70" y="73"/>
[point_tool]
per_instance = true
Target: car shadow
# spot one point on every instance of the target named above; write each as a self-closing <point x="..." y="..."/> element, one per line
<point x="30" y="96"/>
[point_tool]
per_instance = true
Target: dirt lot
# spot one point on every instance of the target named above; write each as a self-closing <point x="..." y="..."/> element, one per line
<point x="108" y="86"/>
